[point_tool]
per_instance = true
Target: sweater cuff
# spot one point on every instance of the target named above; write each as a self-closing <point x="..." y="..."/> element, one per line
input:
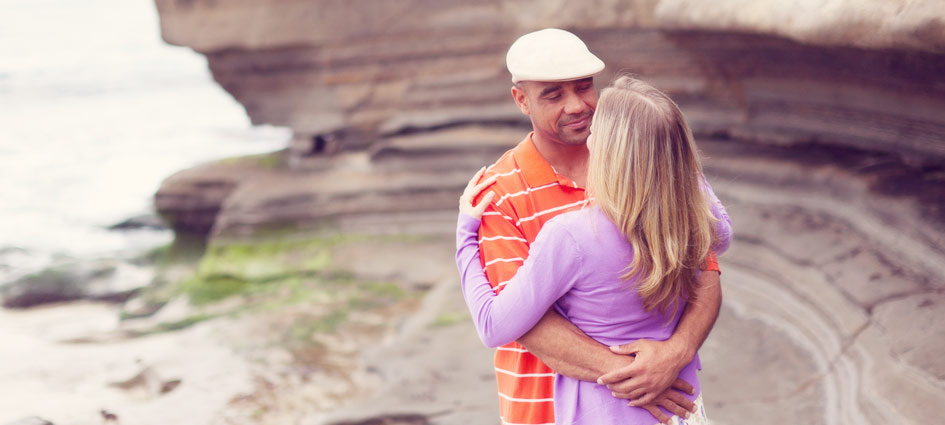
<point x="467" y="222"/>
<point x="467" y="230"/>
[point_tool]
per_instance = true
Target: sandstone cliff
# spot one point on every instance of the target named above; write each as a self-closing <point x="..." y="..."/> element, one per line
<point x="350" y="77"/>
<point x="343" y="73"/>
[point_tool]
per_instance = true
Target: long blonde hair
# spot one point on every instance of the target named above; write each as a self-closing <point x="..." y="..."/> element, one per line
<point x="645" y="175"/>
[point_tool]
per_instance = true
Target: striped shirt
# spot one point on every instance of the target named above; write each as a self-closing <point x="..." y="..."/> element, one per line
<point x="528" y="193"/>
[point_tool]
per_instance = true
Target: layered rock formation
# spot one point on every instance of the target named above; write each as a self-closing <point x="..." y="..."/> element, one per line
<point x="822" y="121"/>
<point x="829" y="292"/>
<point x="342" y="74"/>
<point x="353" y="78"/>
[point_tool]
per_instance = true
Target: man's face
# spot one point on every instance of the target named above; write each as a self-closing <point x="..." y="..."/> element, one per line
<point x="560" y="111"/>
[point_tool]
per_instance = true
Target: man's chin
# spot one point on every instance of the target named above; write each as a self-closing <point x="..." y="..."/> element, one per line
<point x="572" y="138"/>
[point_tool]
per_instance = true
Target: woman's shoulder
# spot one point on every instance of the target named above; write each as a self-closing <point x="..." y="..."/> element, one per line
<point x="581" y="224"/>
<point x="572" y="217"/>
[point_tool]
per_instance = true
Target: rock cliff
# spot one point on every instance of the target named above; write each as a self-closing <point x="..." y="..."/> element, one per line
<point x="342" y="74"/>
<point x="353" y="78"/>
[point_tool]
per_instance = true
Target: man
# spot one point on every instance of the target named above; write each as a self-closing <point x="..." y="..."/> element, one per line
<point x="552" y="74"/>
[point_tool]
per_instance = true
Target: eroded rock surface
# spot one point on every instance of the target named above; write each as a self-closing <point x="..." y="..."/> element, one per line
<point x="344" y="74"/>
<point x="372" y="90"/>
<point x="825" y="291"/>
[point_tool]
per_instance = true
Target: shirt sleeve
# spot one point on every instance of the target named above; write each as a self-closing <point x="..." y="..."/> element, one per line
<point x="502" y="244"/>
<point x="552" y="269"/>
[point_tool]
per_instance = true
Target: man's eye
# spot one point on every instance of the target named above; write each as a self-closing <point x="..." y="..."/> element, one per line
<point x="584" y="88"/>
<point x="555" y="97"/>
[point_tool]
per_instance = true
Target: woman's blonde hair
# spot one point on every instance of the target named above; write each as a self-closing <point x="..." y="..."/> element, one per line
<point x="644" y="173"/>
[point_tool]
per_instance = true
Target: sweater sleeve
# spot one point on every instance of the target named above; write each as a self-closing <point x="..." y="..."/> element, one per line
<point x="723" y="227"/>
<point x="552" y="268"/>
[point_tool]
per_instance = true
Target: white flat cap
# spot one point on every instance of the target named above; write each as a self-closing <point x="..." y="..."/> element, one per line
<point x="551" y="55"/>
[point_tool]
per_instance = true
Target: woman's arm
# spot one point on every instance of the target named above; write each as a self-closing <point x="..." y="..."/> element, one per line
<point x="554" y="261"/>
<point x="723" y="227"/>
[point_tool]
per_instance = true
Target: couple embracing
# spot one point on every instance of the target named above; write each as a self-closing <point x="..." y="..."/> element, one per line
<point x="587" y="252"/>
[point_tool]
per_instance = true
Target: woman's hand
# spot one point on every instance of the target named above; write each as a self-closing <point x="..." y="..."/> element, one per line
<point x="472" y="191"/>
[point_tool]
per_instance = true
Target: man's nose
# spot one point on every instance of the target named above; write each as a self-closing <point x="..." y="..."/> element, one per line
<point x="574" y="104"/>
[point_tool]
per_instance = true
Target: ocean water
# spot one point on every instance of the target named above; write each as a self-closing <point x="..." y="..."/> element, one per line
<point x="95" y="110"/>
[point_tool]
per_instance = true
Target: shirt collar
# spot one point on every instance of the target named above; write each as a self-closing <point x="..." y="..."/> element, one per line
<point x="535" y="168"/>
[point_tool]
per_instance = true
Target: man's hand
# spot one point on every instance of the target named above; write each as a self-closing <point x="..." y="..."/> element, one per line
<point x="655" y="367"/>
<point x="673" y="401"/>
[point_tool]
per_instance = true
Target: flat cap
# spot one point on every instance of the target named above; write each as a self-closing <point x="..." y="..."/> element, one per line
<point x="551" y="54"/>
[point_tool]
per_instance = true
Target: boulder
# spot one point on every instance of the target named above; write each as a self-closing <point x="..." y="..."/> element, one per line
<point x="32" y="420"/>
<point x="104" y="280"/>
<point x="140" y="222"/>
<point x="190" y="200"/>
<point x="402" y="174"/>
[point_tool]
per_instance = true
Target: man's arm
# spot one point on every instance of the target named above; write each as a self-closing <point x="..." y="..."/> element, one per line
<point x="657" y="363"/>
<point x="570" y="352"/>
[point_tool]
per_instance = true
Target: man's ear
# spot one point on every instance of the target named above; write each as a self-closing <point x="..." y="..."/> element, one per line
<point x="518" y="94"/>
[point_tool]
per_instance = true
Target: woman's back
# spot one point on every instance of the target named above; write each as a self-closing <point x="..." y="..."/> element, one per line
<point x="608" y="309"/>
<point x="605" y="306"/>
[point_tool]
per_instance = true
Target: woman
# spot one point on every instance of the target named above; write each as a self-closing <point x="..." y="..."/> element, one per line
<point x="621" y="269"/>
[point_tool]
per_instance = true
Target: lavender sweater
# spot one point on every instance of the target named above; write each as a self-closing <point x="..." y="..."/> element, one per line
<point x="575" y="266"/>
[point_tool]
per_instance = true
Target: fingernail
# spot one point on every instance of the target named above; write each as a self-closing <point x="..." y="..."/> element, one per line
<point x="688" y="414"/>
<point x="600" y="381"/>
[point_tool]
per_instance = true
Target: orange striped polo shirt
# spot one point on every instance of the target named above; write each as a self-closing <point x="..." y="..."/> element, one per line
<point x="528" y="193"/>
